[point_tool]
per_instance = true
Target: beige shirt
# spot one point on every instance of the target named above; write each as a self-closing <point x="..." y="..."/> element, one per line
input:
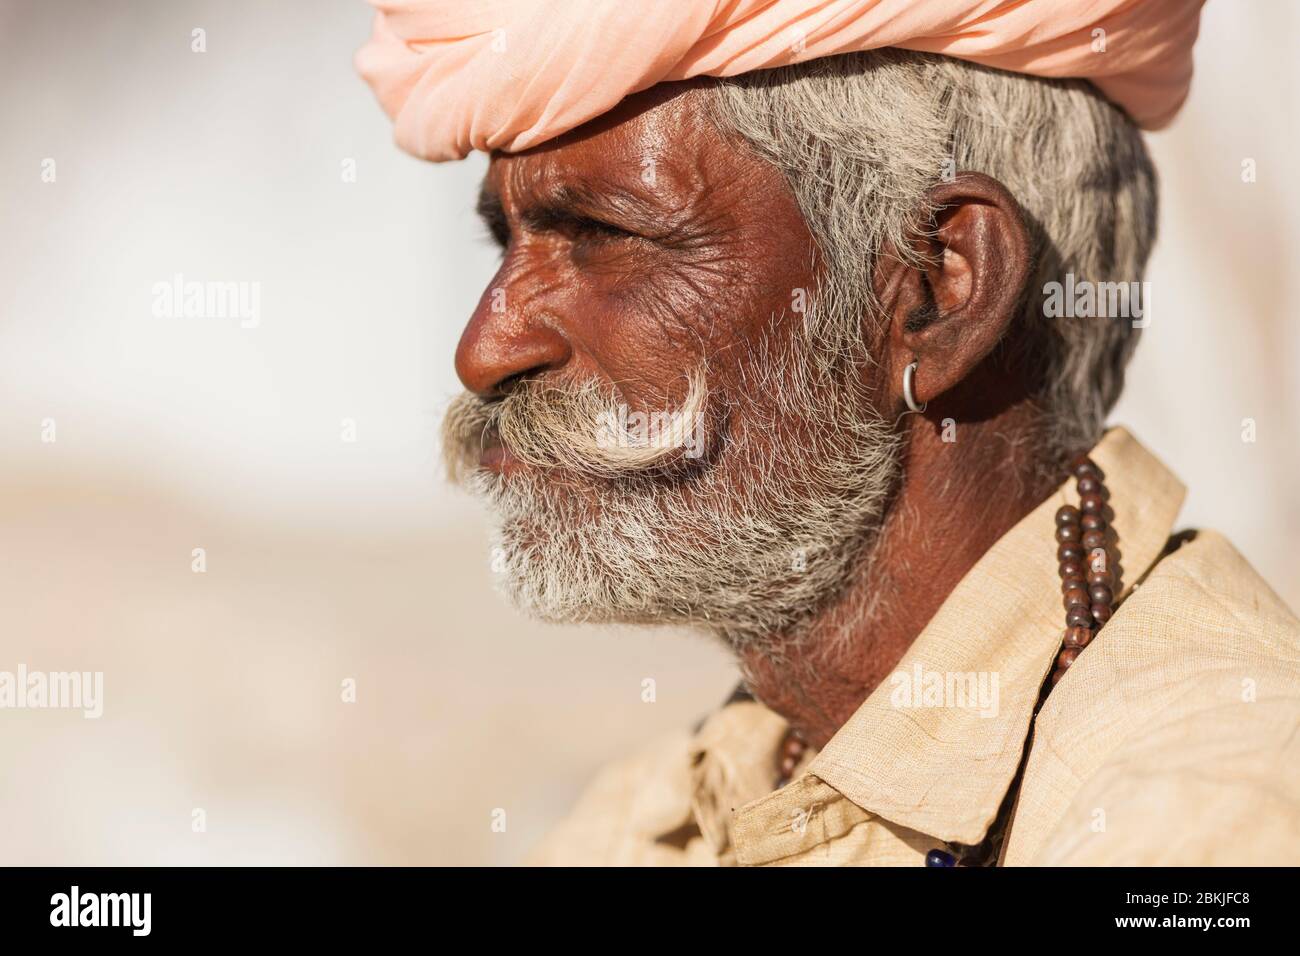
<point x="1173" y="739"/>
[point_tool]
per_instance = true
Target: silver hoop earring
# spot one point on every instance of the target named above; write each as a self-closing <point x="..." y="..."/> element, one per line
<point x="909" y="395"/>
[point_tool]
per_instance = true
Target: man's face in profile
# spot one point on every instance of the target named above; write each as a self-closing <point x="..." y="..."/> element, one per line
<point x="645" y="413"/>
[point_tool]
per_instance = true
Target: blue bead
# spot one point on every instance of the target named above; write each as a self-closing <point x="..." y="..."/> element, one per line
<point x="939" y="858"/>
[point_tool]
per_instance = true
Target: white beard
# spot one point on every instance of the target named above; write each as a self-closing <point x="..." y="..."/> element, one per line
<point x="749" y="544"/>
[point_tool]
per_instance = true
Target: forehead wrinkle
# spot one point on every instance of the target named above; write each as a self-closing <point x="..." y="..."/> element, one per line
<point x="566" y="181"/>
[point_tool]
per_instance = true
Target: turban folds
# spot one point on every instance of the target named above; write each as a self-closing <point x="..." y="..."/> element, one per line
<point x="460" y="75"/>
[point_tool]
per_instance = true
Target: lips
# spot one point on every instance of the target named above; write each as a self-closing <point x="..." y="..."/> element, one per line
<point x="498" y="459"/>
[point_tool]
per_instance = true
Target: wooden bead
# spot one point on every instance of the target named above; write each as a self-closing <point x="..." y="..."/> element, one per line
<point x="1067" y="657"/>
<point x="1076" y="597"/>
<point x="1070" y="583"/>
<point x="1099" y="577"/>
<point x="1100" y="594"/>
<point x="1070" y="552"/>
<point x="1072" y="569"/>
<point x="1068" y="534"/>
<point x="1067" y="514"/>
<point x="1085" y="467"/>
<point x="1077" y="636"/>
<point x="1092" y="540"/>
<point x="1089" y="485"/>
<point x="1101" y="613"/>
<point x="1078" y="617"/>
<point x="1092" y="523"/>
<point x="1090" y="505"/>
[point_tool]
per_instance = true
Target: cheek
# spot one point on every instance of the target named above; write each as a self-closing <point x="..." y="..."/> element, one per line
<point x="704" y="303"/>
<point x="645" y="316"/>
<point x="646" y="319"/>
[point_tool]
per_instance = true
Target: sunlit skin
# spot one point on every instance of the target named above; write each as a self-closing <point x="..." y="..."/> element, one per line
<point x="608" y="275"/>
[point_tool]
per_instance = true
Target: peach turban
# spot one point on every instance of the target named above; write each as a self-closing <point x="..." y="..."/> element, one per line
<point x="459" y="75"/>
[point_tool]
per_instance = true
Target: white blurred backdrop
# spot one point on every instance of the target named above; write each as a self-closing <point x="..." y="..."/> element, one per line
<point x="332" y="560"/>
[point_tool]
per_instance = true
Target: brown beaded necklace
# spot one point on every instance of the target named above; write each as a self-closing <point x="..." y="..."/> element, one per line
<point x="1085" y="541"/>
<point x="1084" y="546"/>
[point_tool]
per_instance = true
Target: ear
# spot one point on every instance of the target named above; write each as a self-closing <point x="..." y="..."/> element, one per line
<point x="948" y="314"/>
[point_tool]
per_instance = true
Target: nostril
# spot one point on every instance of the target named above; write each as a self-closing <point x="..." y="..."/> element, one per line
<point x="511" y="382"/>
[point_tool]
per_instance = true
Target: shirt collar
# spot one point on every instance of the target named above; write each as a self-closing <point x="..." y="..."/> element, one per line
<point x="943" y="770"/>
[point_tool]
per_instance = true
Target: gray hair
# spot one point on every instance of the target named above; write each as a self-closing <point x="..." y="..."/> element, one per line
<point x="862" y="137"/>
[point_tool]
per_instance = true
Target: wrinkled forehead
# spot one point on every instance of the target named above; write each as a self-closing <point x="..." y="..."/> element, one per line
<point x="658" y="145"/>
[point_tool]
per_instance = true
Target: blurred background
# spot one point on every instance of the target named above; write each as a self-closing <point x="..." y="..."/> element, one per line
<point x="301" y="455"/>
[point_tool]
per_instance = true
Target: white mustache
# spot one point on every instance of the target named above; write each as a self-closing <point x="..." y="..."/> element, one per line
<point x="582" y="429"/>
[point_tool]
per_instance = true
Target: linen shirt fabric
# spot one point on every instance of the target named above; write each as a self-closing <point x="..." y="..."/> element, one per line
<point x="1174" y="738"/>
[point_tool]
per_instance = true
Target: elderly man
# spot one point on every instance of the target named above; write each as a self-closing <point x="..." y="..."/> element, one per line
<point x="806" y="326"/>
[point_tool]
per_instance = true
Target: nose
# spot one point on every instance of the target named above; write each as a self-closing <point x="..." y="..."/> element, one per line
<point x="506" y="340"/>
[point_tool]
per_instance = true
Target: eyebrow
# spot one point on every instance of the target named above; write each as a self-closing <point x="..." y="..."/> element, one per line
<point x="493" y="214"/>
<point x="565" y="204"/>
<point x="569" y="201"/>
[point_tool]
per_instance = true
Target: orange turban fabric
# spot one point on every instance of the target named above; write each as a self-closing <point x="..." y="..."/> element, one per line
<point x="459" y="75"/>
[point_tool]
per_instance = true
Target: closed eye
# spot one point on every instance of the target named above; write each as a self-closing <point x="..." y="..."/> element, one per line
<point x="599" y="229"/>
<point x="573" y="225"/>
<point x="558" y="216"/>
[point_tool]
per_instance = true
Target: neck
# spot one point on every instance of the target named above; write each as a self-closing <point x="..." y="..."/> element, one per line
<point x="956" y="499"/>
